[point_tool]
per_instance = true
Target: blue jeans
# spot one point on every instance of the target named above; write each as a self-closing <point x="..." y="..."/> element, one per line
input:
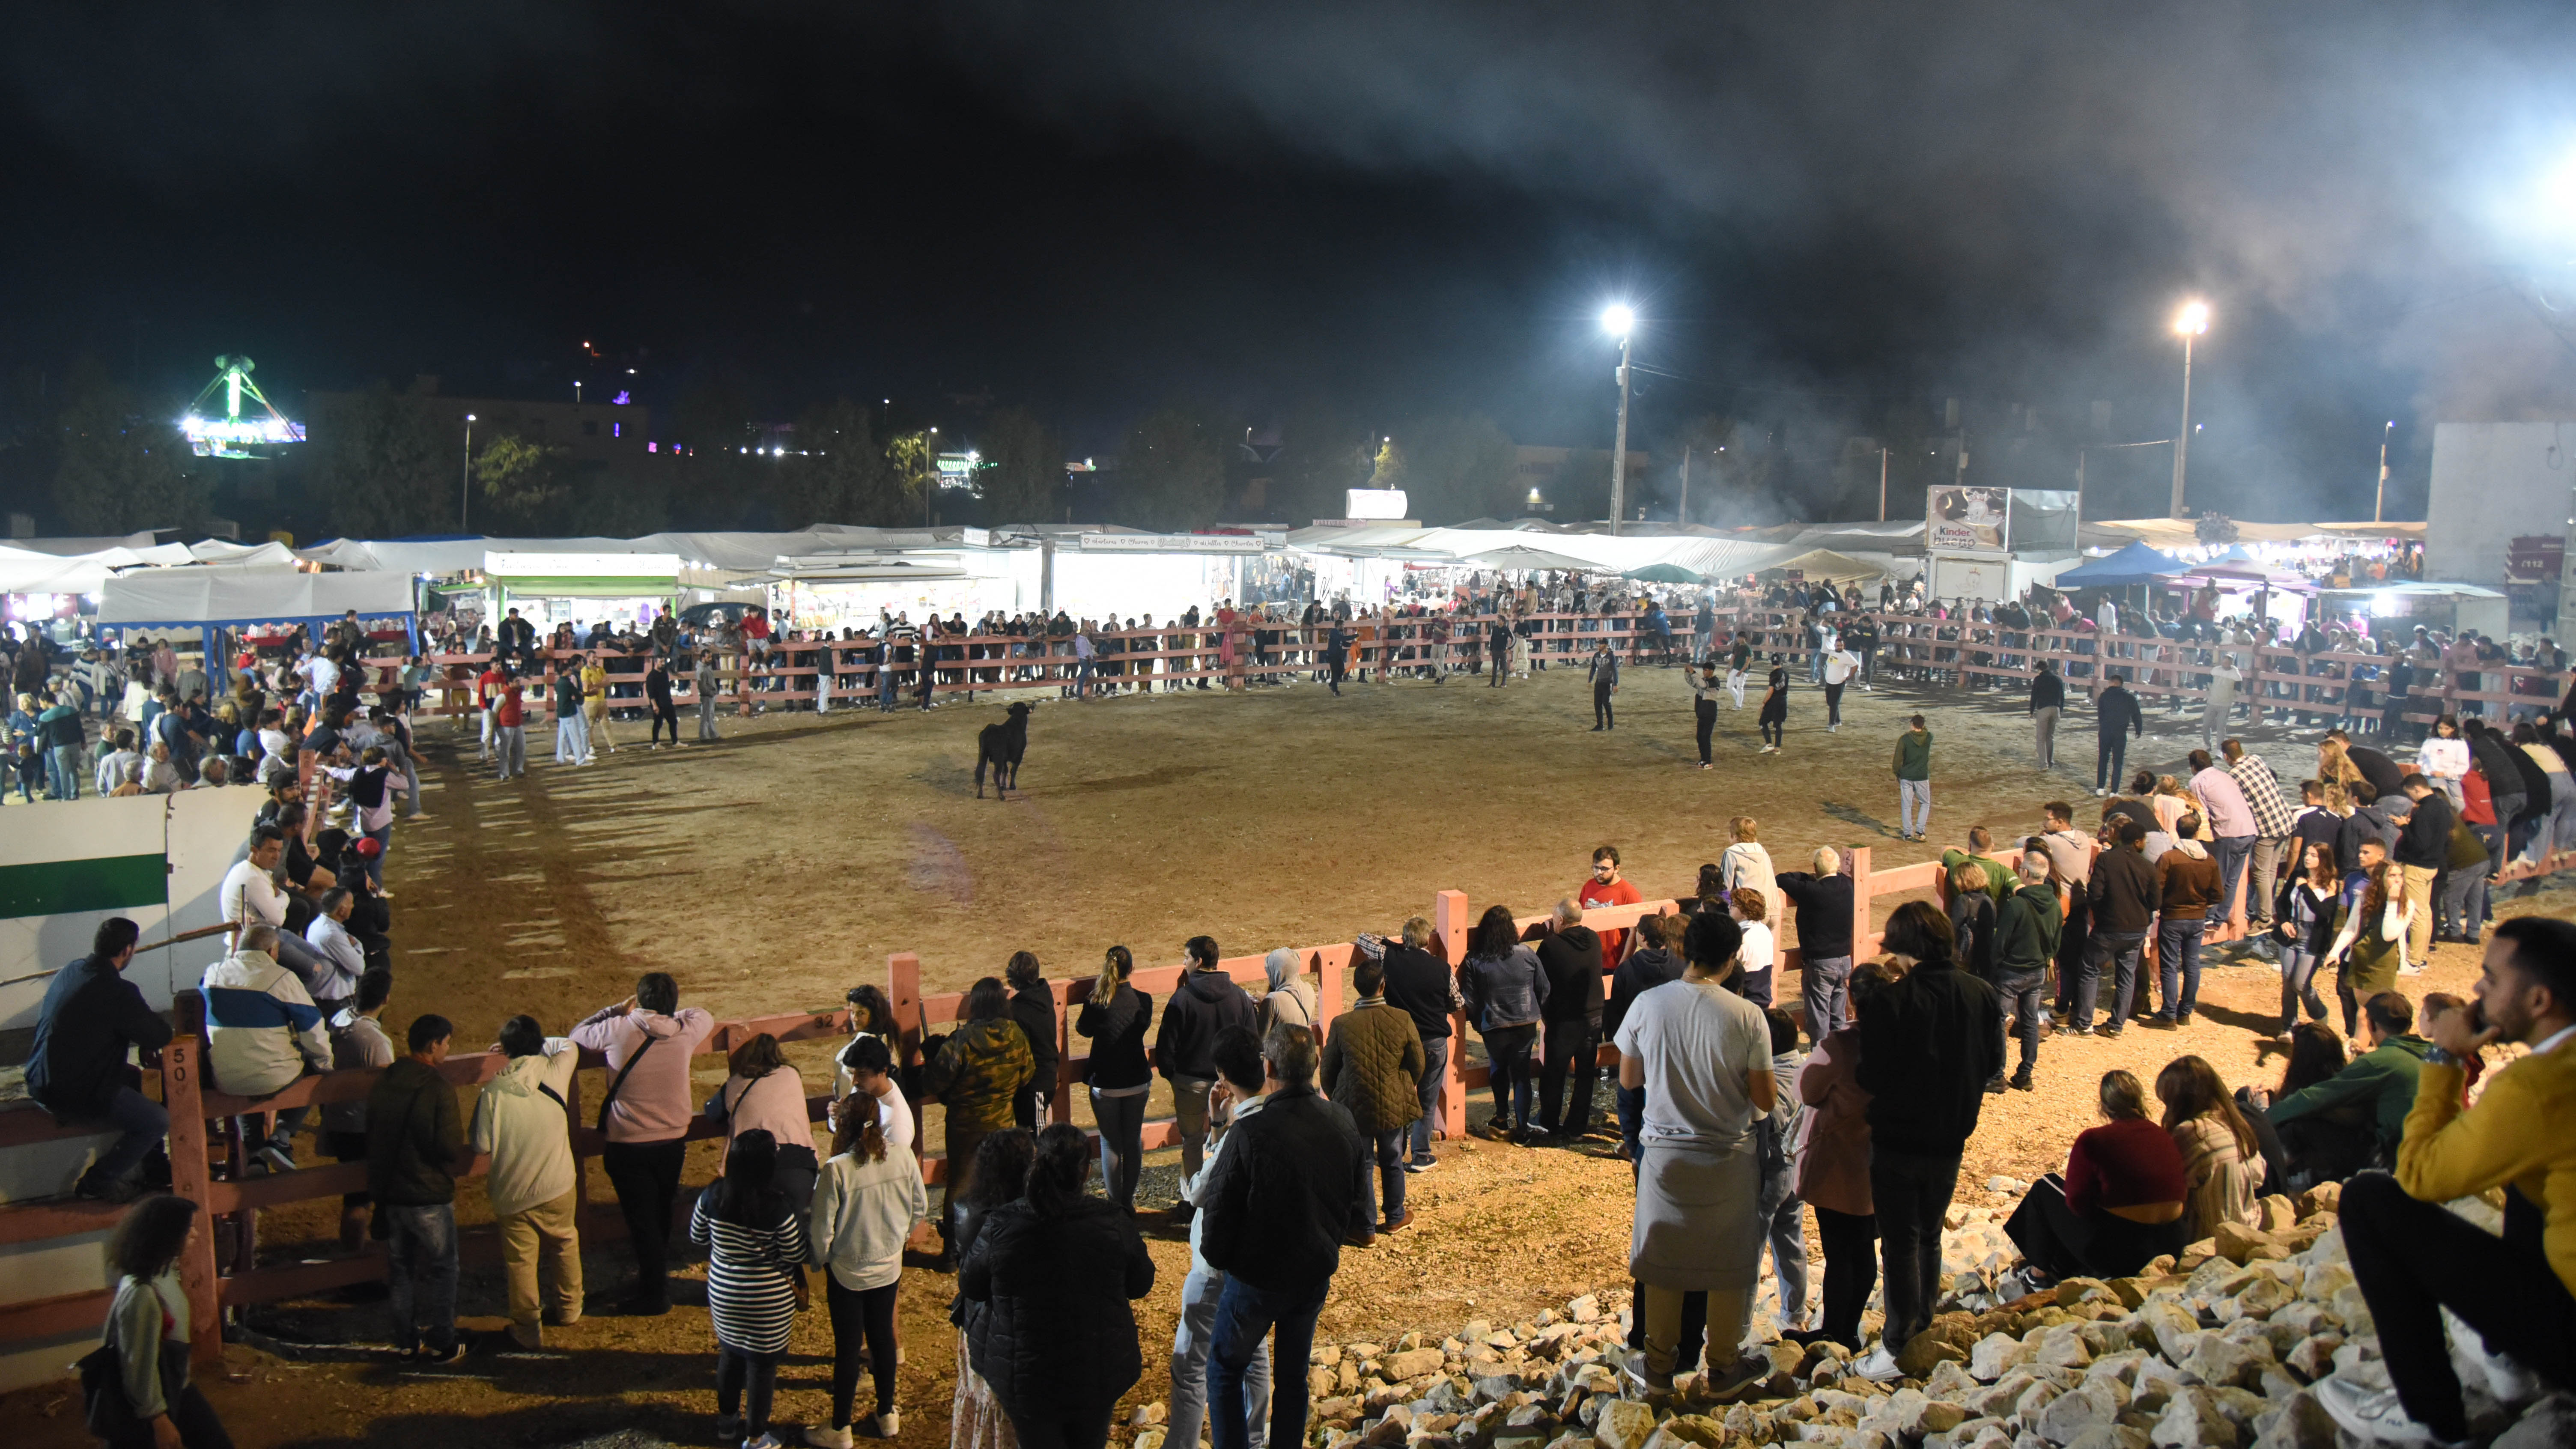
<point x="384" y="840"/>
<point x="2178" y="953"/>
<point x="63" y="771"/>
<point x="1784" y="1229"/>
<point x="1191" y="1338"/>
<point x="1246" y="1315"/>
<point x="1508" y="1051"/>
<point x="2107" y="947"/>
<point x="141" y="1123"/>
<point x="1825" y="985"/>
<point x="1381" y="1156"/>
<point x="2231" y="852"/>
<point x="421" y="1273"/>
<point x="1435" y="1081"/>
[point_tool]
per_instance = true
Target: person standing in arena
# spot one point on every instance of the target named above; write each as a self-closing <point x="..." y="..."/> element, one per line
<point x="2047" y="701"/>
<point x="1840" y="665"/>
<point x="2116" y="717"/>
<point x="1704" y="691"/>
<point x="1605" y="683"/>
<point x="657" y="700"/>
<point x="1914" y="780"/>
<point x="1774" y="719"/>
<point x="1739" y="658"/>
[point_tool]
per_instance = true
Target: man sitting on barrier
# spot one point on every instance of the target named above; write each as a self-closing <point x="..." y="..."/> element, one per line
<point x="90" y="1018"/>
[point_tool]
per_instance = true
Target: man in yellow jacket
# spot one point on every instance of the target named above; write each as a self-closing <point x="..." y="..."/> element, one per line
<point x="2511" y="1295"/>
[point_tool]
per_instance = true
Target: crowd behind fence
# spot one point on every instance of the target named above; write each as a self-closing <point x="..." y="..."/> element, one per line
<point x="2322" y="686"/>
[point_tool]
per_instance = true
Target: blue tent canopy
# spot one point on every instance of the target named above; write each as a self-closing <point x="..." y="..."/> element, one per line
<point x="2136" y="564"/>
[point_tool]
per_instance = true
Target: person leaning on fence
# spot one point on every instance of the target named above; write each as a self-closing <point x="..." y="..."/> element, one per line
<point x="2418" y="1265"/>
<point x="139" y="1394"/>
<point x="866" y="1206"/>
<point x="762" y="1092"/>
<point x="90" y="1019"/>
<point x="358" y="1044"/>
<point x="1033" y="1008"/>
<point x="645" y="1113"/>
<point x="1824" y="904"/>
<point x="977" y="1073"/>
<point x="415" y="1146"/>
<point x="1373" y="1067"/>
<point x="1114" y="1019"/>
<point x="521" y="1119"/>
<point x="1506" y="990"/>
<point x="1204" y="1003"/>
<point x="1420" y="985"/>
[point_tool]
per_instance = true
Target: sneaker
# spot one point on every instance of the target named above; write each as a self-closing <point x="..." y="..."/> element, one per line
<point x="276" y="1158"/>
<point x="1995" y="1085"/>
<point x="765" y="1441"/>
<point x="1748" y="1371"/>
<point x="2372" y="1415"/>
<point x="826" y="1438"/>
<point x="886" y="1425"/>
<point x="728" y="1428"/>
<point x="118" y="1190"/>
<point x="2157" y="1023"/>
<point x="432" y="1356"/>
<point x="1422" y="1165"/>
<point x="1634" y="1368"/>
<point x="2021" y="1081"/>
<point x="2506" y="1379"/>
<point x="2113" y="1032"/>
<point x="1878" y="1366"/>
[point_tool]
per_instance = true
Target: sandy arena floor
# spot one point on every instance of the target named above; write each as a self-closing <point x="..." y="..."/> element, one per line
<point x="774" y="870"/>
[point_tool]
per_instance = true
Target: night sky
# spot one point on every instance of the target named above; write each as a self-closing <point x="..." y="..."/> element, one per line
<point x="1384" y="209"/>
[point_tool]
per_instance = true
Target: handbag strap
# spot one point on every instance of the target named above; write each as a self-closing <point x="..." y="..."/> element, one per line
<point x="609" y="1099"/>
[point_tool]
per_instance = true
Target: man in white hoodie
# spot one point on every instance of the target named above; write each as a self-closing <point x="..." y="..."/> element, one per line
<point x="523" y="1119"/>
<point x="262" y="1033"/>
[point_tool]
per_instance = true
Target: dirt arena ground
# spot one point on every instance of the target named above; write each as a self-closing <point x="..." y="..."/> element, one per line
<point x="772" y="871"/>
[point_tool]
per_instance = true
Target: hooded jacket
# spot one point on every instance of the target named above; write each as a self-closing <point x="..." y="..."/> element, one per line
<point x="2026" y="930"/>
<point x="90" y="1017"/>
<point x="652" y="1104"/>
<point x="1291" y="999"/>
<point x="2122" y="892"/>
<point x="1418" y="984"/>
<point x="262" y="1028"/>
<point x="1571" y="957"/>
<point x="1205" y="1003"/>
<point x="981" y="1068"/>
<point x="1034" y="1010"/>
<point x="2186" y="881"/>
<point x="1055" y="1337"/>
<point x="2381" y="1081"/>
<point x="414" y="1141"/>
<point x="526" y="1130"/>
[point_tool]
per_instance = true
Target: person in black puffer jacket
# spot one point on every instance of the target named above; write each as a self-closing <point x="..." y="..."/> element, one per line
<point x="1001" y="1169"/>
<point x="1054" y="1272"/>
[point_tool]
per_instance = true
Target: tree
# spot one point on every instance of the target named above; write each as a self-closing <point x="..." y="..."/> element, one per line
<point x="1171" y="467"/>
<point x="386" y="465"/>
<point x="1454" y="468"/>
<point x="521" y="480"/>
<point x="841" y="475"/>
<point x="121" y="465"/>
<point x="1022" y="480"/>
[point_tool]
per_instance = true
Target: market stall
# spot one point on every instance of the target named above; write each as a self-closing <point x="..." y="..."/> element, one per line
<point x="258" y="601"/>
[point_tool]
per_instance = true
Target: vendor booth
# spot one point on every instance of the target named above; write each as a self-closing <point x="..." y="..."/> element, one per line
<point x="256" y="602"/>
<point x="629" y="590"/>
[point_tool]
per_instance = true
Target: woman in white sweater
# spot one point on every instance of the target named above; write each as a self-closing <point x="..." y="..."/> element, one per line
<point x="866" y="1206"/>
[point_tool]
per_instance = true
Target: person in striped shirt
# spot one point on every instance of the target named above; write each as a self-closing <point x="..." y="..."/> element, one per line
<point x="756" y="1251"/>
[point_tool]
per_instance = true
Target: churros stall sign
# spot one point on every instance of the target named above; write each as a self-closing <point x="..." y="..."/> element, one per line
<point x="1968" y="520"/>
<point x="1180" y="542"/>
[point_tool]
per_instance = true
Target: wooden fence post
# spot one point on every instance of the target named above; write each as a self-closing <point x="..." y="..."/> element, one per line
<point x="182" y="1089"/>
<point x="1449" y="927"/>
<point x="1862" y="945"/>
<point x="903" y="993"/>
<point x="1328" y="989"/>
<point x="1060" y="1098"/>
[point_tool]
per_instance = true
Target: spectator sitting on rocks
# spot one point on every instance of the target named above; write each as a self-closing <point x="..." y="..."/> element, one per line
<point x="2413" y="1258"/>
<point x="2119" y="1204"/>
<point x="2328" y="1130"/>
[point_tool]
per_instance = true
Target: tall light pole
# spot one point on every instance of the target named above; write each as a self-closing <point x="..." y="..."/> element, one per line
<point x="2191" y="322"/>
<point x="465" y="491"/>
<point x="1621" y="322"/>
<point x="2380" y="505"/>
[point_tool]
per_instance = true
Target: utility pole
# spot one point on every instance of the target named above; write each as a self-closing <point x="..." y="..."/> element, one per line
<point x="1682" y="513"/>
<point x="1882" y="485"/>
<point x="465" y="493"/>
<point x="1619" y="455"/>
<point x="2193" y="321"/>
<point x="2380" y="505"/>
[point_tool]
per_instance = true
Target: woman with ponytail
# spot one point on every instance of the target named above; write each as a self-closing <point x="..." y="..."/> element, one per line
<point x="866" y="1205"/>
<point x="1054" y="1273"/>
<point x="1114" y="1019"/>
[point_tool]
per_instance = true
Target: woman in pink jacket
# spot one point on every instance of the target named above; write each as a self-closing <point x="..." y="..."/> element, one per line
<point x="1830" y="1172"/>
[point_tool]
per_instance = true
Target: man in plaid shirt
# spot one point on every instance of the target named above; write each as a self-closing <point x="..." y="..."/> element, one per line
<point x="2274" y="821"/>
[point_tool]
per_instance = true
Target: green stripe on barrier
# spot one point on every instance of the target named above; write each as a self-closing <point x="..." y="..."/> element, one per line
<point x="62" y="887"/>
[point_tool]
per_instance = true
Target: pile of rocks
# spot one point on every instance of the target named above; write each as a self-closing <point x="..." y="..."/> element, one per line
<point x="2216" y="1348"/>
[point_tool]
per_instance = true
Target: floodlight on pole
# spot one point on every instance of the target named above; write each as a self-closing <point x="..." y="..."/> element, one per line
<point x="2191" y="322"/>
<point x="1620" y="321"/>
<point x="2381" y="505"/>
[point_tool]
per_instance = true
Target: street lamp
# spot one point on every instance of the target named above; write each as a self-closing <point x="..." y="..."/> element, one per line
<point x="2191" y="322"/>
<point x="1620" y="321"/>
<point x="465" y="492"/>
<point x="2381" y="504"/>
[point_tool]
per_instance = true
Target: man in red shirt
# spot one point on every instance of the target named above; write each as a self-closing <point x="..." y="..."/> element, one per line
<point x="509" y="719"/>
<point x="485" y="685"/>
<point x="1608" y="888"/>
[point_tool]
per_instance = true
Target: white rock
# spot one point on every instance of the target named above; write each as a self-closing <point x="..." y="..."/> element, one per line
<point x="2194" y="1421"/>
<point x="1995" y="1355"/>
